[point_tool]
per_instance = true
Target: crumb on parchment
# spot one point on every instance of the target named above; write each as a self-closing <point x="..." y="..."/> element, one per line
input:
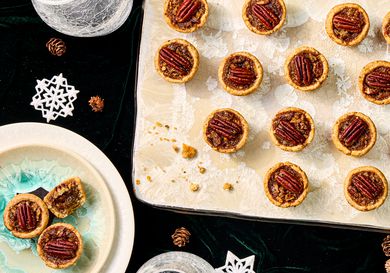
<point x="202" y="170"/>
<point x="175" y="148"/>
<point x="194" y="187"/>
<point x="137" y="181"/>
<point x="228" y="187"/>
<point x="188" y="151"/>
<point x="149" y="178"/>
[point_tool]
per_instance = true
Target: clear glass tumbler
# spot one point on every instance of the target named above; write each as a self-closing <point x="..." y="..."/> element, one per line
<point x="84" y="18"/>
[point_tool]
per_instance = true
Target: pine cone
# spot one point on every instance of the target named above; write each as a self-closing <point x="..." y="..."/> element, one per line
<point x="96" y="103"/>
<point x="387" y="266"/>
<point x="386" y="245"/>
<point x="56" y="46"/>
<point x="181" y="237"/>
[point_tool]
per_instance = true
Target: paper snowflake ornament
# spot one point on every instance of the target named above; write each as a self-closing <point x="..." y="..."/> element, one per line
<point x="235" y="265"/>
<point x="54" y="97"/>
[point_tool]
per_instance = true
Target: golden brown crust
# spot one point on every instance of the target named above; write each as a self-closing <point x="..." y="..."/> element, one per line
<point x="319" y="81"/>
<point x="345" y="150"/>
<point x="367" y="69"/>
<point x="385" y="23"/>
<point x="258" y="69"/>
<point x="299" y="147"/>
<point x="44" y="215"/>
<point x="296" y="168"/>
<point x="329" y="24"/>
<point x="245" y="129"/>
<point x="71" y="262"/>
<point x="347" y="182"/>
<point x="257" y="31"/>
<point x="187" y="30"/>
<point x="193" y="51"/>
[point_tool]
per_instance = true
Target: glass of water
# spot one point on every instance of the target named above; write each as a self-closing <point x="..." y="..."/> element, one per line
<point x="84" y="18"/>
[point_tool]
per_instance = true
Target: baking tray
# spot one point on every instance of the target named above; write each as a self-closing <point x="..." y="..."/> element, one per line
<point x="169" y="115"/>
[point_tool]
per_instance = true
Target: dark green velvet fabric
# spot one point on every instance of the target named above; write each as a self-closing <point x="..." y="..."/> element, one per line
<point x="106" y="66"/>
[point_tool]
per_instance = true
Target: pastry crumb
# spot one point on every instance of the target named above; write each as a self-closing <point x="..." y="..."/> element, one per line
<point x="149" y="178"/>
<point x="194" y="187"/>
<point x="188" y="151"/>
<point x="173" y="181"/>
<point x="96" y="103"/>
<point x="137" y="181"/>
<point x="159" y="124"/>
<point x="202" y="170"/>
<point x="228" y="187"/>
<point x="166" y="126"/>
<point x="176" y="148"/>
<point x="173" y="140"/>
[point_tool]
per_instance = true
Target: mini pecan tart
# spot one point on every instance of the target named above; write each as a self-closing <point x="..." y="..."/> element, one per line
<point x="286" y="185"/>
<point x="225" y="130"/>
<point x="306" y="69"/>
<point x="264" y="16"/>
<point x="26" y="216"/>
<point x="347" y="24"/>
<point x="60" y="246"/>
<point x="177" y="61"/>
<point x="292" y="129"/>
<point x="240" y="73"/>
<point x="386" y="27"/>
<point x="374" y="82"/>
<point x="66" y="197"/>
<point x="354" y="134"/>
<point x="365" y="188"/>
<point x="186" y="15"/>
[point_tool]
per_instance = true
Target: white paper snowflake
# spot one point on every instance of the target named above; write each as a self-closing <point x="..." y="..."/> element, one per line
<point x="54" y="97"/>
<point x="235" y="265"/>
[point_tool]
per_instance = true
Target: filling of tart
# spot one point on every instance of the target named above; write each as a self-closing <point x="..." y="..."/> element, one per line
<point x="365" y="188"/>
<point x="59" y="244"/>
<point x="387" y="29"/>
<point x="285" y="185"/>
<point x="25" y="216"/>
<point x="185" y="14"/>
<point x="291" y="128"/>
<point x="264" y="15"/>
<point x="354" y="133"/>
<point x="239" y="72"/>
<point x="348" y="24"/>
<point x="306" y="68"/>
<point x="175" y="61"/>
<point x="224" y="130"/>
<point x="376" y="84"/>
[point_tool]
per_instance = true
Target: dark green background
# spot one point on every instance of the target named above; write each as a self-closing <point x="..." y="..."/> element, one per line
<point x="106" y="66"/>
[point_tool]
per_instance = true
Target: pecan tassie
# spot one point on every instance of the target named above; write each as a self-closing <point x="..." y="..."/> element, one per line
<point x="386" y="27"/>
<point x="374" y="82"/>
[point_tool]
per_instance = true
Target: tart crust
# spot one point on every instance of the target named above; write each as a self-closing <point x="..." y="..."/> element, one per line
<point x="305" y="182"/>
<point x="255" y="29"/>
<point x="244" y="126"/>
<point x="174" y="26"/>
<point x="258" y="69"/>
<point x="367" y="69"/>
<point x="386" y="24"/>
<point x="44" y="216"/>
<point x="67" y="263"/>
<point x="298" y="147"/>
<point x="191" y="49"/>
<point x="317" y="81"/>
<point x="330" y="28"/>
<point x="379" y="201"/>
<point x="346" y="150"/>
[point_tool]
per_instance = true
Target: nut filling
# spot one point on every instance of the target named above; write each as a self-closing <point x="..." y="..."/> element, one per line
<point x="354" y="133"/>
<point x="348" y="24"/>
<point x="285" y="185"/>
<point x="365" y="188"/>
<point x="291" y="128"/>
<point x="264" y="15"/>
<point x="185" y="14"/>
<point x="306" y="68"/>
<point x="25" y="216"/>
<point x="239" y="72"/>
<point x="224" y="130"/>
<point x="377" y="83"/>
<point x="175" y="61"/>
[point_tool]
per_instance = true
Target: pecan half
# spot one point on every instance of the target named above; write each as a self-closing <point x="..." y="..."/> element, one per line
<point x="241" y="76"/>
<point x="25" y="216"/>
<point x="289" y="181"/>
<point x="350" y="24"/>
<point x="266" y="16"/>
<point x="175" y="60"/>
<point x="354" y="131"/>
<point x="226" y="128"/>
<point x="378" y="80"/>
<point x="303" y="70"/>
<point x="288" y="132"/>
<point x="367" y="187"/>
<point x="61" y="249"/>
<point x="187" y="9"/>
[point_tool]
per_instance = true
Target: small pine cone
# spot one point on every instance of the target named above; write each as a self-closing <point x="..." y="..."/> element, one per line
<point x="96" y="103"/>
<point x="181" y="237"/>
<point x="386" y="245"/>
<point x="56" y="46"/>
<point x="387" y="266"/>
